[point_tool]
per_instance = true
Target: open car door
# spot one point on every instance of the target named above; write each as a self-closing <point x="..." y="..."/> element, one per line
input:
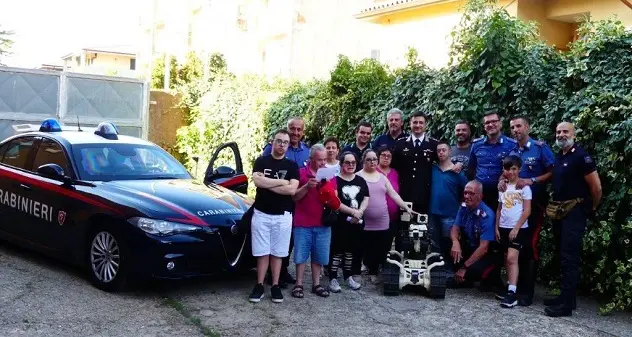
<point x="230" y="173"/>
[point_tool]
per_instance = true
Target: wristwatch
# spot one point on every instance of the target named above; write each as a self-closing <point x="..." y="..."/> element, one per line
<point x="534" y="180"/>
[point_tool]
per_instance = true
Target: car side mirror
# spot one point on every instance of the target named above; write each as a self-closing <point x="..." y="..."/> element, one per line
<point x="223" y="172"/>
<point x="52" y="171"/>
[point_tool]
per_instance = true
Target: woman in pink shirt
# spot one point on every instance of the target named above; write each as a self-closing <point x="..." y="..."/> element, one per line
<point x="376" y="216"/>
<point x="384" y="166"/>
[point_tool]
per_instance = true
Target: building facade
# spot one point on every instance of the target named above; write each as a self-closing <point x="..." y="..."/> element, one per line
<point x="303" y="38"/>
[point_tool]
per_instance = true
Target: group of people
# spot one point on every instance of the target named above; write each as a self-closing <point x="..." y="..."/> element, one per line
<point x="485" y="199"/>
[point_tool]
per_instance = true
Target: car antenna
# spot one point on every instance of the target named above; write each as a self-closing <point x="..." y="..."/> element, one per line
<point x="78" y="125"/>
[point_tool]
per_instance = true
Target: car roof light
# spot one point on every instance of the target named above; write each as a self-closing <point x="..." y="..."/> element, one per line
<point x="50" y="125"/>
<point x="107" y="130"/>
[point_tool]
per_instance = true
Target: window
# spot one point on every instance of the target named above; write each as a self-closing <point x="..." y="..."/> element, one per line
<point x="132" y="64"/>
<point x="17" y="152"/>
<point x="105" y="162"/>
<point x="375" y="54"/>
<point x="50" y="152"/>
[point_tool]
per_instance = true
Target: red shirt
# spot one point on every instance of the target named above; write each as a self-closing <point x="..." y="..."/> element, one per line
<point x="309" y="210"/>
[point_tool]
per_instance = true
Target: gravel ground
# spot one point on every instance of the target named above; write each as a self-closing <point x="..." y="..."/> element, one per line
<point x="41" y="297"/>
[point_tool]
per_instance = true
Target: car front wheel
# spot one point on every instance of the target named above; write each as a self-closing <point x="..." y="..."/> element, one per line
<point x="107" y="260"/>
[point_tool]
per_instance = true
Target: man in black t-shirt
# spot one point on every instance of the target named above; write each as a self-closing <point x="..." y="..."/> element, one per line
<point x="276" y="178"/>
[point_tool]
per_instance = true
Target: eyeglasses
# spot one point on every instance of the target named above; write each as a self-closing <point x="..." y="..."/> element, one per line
<point x="494" y="121"/>
<point x="386" y="155"/>
<point x="348" y="163"/>
<point x="468" y="193"/>
<point x="370" y="160"/>
<point x="282" y="142"/>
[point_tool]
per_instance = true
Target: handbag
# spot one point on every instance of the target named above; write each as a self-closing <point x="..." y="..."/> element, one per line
<point x="557" y="210"/>
<point x="329" y="217"/>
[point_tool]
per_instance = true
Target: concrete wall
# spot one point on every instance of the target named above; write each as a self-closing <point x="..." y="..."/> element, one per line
<point x="555" y="33"/>
<point x="165" y="118"/>
<point x="596" y="9"/>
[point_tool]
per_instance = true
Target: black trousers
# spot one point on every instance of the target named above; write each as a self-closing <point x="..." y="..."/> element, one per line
<point x="486" y="269"/>
<point x="529" y="255"/>
<point x="568" y="234"/>
<point x="376" y="244"/>
<point x="346" y="240"/>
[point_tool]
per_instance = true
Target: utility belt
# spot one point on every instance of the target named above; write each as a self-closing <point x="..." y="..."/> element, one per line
<point x="557" y="210"/>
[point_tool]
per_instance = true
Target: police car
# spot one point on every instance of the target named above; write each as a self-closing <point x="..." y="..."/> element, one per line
<point x="120" y="206"/>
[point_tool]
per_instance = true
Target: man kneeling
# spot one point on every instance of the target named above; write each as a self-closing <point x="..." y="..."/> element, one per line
<point x="473" y="235"/>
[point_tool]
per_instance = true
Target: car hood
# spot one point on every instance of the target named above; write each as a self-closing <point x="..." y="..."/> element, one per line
<point x="182" y="200"/>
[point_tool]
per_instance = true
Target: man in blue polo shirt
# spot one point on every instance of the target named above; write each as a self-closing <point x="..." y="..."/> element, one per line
<point x="537" y="165"/>
<point x="473" y="236"/>
<point x="298" y="151"/>
<point x="395" y="121"/>
<point x="485" y="164"/>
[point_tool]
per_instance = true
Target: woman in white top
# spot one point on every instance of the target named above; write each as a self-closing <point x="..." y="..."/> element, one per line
<point x="332" y="146"/>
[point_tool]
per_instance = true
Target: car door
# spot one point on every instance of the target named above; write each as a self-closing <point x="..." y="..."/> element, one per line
<point x="15" y="196"/>
<point x="54" y="228"/>
<point x="226" y="168"/>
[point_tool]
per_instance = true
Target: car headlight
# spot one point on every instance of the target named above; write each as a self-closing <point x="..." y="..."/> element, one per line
<point x="162" y="227"/>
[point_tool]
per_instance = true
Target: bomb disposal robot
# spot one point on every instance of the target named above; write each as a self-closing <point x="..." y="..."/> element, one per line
<point x="415" y="265"/>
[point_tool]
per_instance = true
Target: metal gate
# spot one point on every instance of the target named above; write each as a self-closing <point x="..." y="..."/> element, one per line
<point x="28" y="96"/>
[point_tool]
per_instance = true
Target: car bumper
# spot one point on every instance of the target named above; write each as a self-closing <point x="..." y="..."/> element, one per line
<point x="188" y="255"/>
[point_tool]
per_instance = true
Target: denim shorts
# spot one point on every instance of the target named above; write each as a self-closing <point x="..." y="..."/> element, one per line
<point x="312" y="241"/>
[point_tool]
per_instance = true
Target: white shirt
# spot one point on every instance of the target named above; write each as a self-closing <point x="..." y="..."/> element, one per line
<point x="337" y="166"/>
<point x="512" y="205"/>
<point x="421" y="138"/>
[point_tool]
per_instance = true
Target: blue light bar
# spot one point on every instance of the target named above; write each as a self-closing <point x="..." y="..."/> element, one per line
<point x="107" y="130"/>
<point x="50" y="125"/>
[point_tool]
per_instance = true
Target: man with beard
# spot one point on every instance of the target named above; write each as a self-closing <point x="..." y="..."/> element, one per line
<point x="486" y="157"/>
<point x="537" y="164"/>
<point x="460" y="152"/>
<point x="362" y="143"/>
<point x="395" y="121"/>
<point x="576" y="195"/>
<point x="298" y="151"/>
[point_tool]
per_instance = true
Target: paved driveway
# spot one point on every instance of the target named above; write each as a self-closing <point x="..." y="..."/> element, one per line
<point x="40" y="297"/>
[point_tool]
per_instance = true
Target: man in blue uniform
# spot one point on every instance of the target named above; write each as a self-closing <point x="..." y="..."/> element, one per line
<point x="395" y="121"/>
<point x="537" y="165"/>
<point x="576" y="195"/>
<point x="485" y="164"/>
<point x="473" y="236"/>
<point x="298" y="151"/>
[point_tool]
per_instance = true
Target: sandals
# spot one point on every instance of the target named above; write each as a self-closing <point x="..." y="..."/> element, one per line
<point x="320" y="291"/>
<point x="298" y="292"/>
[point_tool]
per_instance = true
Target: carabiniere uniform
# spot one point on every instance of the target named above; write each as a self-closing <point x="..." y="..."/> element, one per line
<point x="414" y="165"/>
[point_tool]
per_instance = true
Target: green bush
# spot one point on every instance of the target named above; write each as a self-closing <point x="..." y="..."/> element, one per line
<point x="496" y="61"/>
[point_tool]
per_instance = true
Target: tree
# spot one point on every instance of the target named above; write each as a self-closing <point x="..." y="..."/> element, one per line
<point x="5" y="43"/>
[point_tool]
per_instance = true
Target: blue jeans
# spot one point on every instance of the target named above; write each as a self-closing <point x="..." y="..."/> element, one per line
<point x="439" y="227"/>
<point x="312" y="241"/>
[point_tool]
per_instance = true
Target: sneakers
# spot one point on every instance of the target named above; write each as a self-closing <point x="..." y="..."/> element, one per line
<point x="353" y="284"/>
<point x="257" y="293"/>
<point x="277" y="295"/>
<point x="334" y="286"/>
<point x="510" y="301"/>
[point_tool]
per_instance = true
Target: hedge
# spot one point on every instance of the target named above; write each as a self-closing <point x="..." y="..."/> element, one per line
<point x="496" y="60"/>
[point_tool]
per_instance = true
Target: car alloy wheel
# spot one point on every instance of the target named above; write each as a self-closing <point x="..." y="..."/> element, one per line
<point x="105" y="258"/>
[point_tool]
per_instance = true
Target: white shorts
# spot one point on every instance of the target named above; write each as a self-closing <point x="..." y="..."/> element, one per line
<point x="271" y="234"/>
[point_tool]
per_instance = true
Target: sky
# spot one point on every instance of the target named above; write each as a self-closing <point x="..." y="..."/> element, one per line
<point x="45" y="30"/>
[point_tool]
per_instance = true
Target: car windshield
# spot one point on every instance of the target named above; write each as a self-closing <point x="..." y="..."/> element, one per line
<point x="105" y="162"/>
